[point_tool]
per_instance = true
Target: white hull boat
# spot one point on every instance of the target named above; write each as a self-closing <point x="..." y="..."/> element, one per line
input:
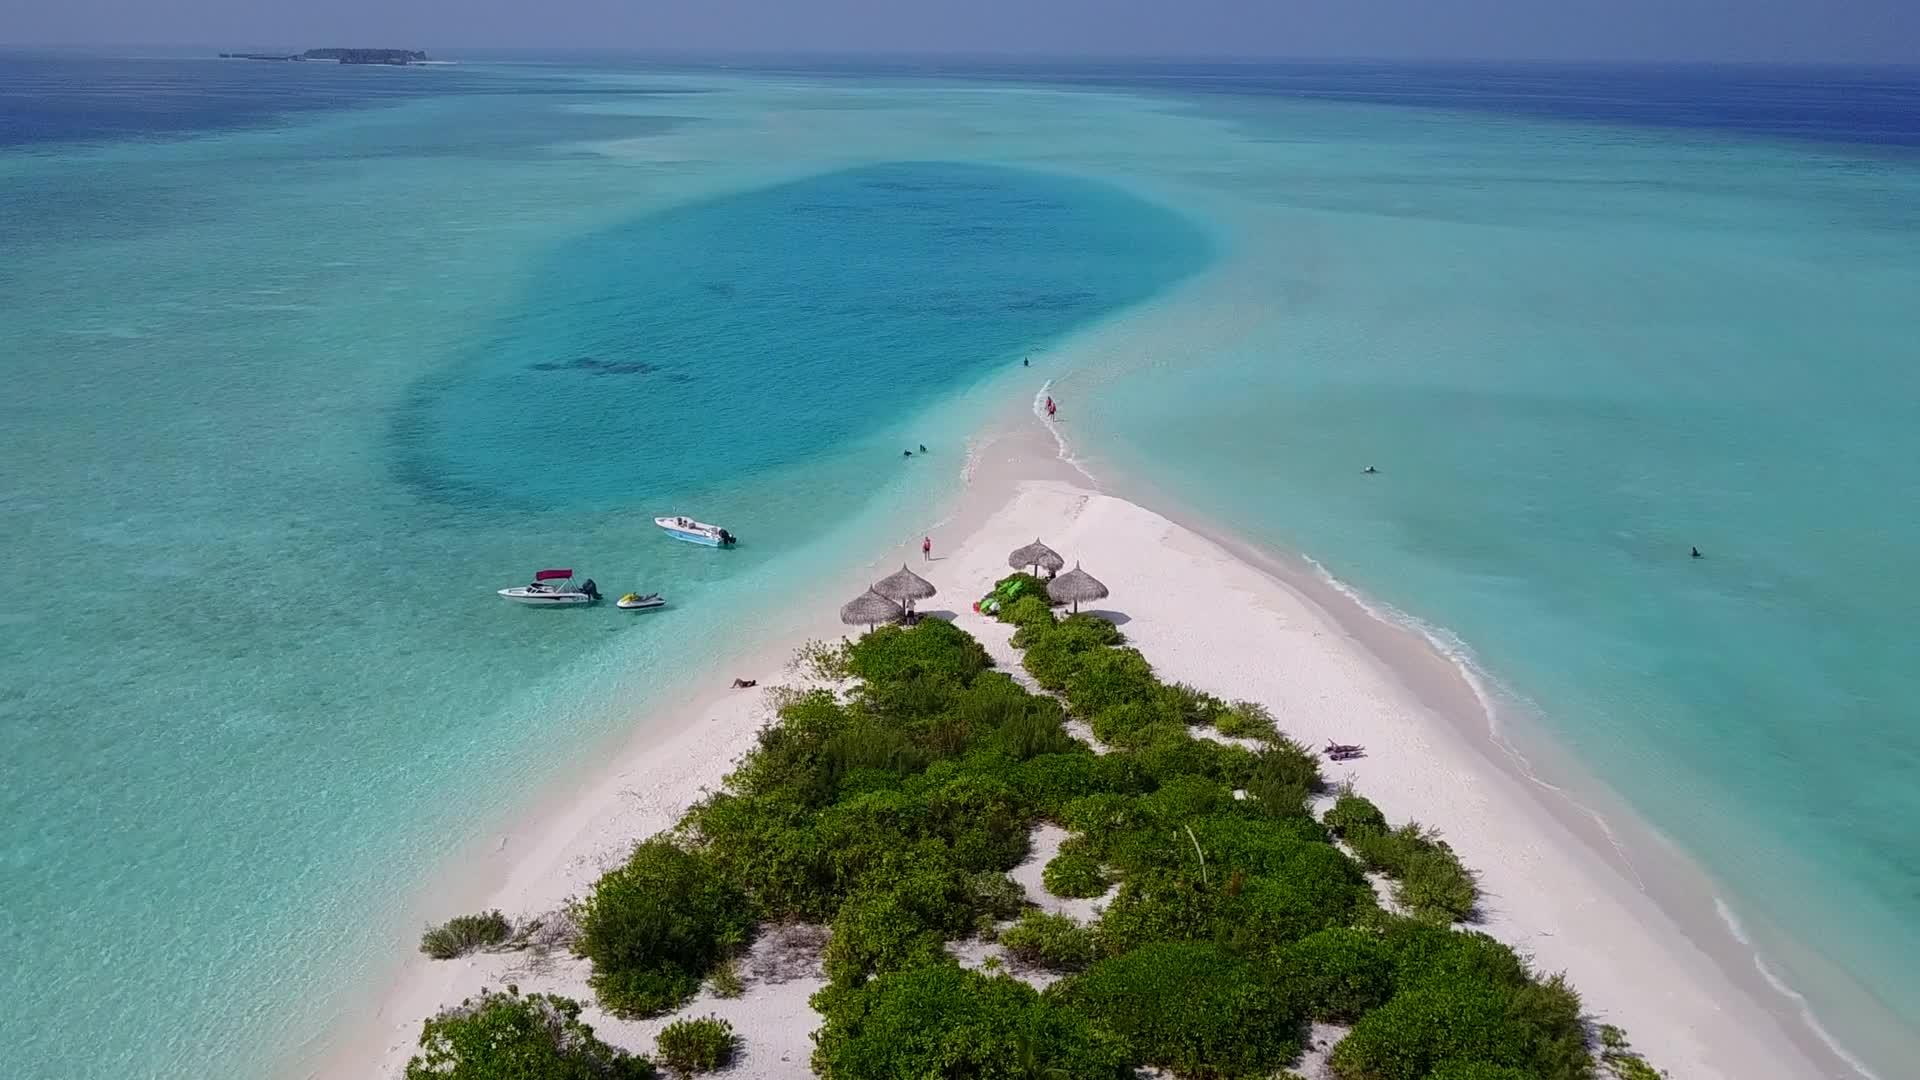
<point x="552" y="588"/>
<point x="696" y="532"/>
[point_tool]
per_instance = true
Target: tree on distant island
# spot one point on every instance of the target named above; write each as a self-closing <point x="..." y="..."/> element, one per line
<point x="395" y="57"/>
<point x="366" y="56"/>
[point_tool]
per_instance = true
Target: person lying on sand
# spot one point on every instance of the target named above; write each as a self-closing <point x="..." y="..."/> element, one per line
<point x="742" y="684"/>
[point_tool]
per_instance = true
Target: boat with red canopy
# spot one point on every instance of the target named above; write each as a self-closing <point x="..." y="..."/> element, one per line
<point x="553" y="588"/>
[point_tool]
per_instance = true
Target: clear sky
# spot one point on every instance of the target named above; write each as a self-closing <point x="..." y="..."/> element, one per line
<point x="1788" y="30"/>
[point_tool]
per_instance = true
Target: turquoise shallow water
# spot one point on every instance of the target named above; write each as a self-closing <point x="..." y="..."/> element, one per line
<point x="1574" y="354"/>
<point x="293" y="389"/>
<point x="289" y="403"/>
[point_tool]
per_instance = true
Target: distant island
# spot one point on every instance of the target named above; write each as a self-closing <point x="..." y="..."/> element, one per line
<point x="340" y="56"/>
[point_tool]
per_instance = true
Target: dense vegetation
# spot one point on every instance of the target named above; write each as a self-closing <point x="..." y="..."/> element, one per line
<point x="504" y="1036"/>
<point x="462" y="934"/>
<point x="892" y="812"/>
<point x="656" y="926"/>
<point x="1428" y="881"/>
<point x="1074" y="872"/>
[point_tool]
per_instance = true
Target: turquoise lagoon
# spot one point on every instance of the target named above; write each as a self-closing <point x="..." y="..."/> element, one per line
<point x="290" y="395"/>
<point x="286" y="411"/>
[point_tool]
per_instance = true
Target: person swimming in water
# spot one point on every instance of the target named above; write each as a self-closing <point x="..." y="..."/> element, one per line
<point x="1697" y="555"/>
<point x="923" y="448"/>
<point x="1369" y="470"/>
<point x="906" y="453"/>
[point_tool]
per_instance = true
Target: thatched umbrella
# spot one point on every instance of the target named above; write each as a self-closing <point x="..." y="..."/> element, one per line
<point x="871" y="609"/>
<point x="1076" y="585"/>
<point x="905" y="587"/>
<point x="1036" y="555"/>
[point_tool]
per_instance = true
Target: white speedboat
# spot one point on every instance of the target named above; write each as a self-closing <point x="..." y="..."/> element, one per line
<point x="553" y="588"/>
<point x="696" y="532"/>
<point x="637" y="602"/>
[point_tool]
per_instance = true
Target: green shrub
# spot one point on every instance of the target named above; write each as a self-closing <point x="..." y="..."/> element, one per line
<point x="1193" y="1009"/>
<point x="1533" y="1029"/>
<point x="1425" y="955"/>
<point x="907" y="908"/>
<point x="654" y="927"/>
<point x="944" y="1021"/>
<point x="1035" y="734"/>
<point x="1268" y="912"/>
<point x="1350" y="812"/>
<point x="1103" y="819"/>
<point x="1020" y="585"/>
<point x="880" y="932"/>
<point x="1182" y="798"/>
<point x="981" y="820"/>
<point x="1278" y="847"/>
<point x="1090" y="631"/>
<point x="504" y="1036"/>
<point x="1434" y="886"/>
<point x="1189" y="706"/>
<point x="1051" y="659"/>
<point x="1105" y="677"/>
<point x="1475" y="1070"/>
<point x="1165" y="759"/>
<point x="1342" y="974"/>
<point x="1054" y="942"/>
<point x="823" y="660"/>
<point x="1074" y="873"/>
<point x="1621" y="1059"/>
<point x="1419" y="1029"/>
<point x="996" y="895"/>
<point x="983" y="714"/>
<point x="1246" y="720"/>
<point x="1032" y="617"/>
<point x="874" y="746"/>
<point x="773" y="850"/>
<point x="1285" y="775"/>
<point x="725" y="982"/>
<point x="1389" y="852"/>
<point x="1158" y="906"/>
<point x="930" y="648"/>
<point x="1549" y="1012"/>
<point x="1050" y="782"/>
<point x="1430" y="882"/>
<point x="696" y="1046"/>
<point x="1132" y="724"/>
<point x="464" y="933"/>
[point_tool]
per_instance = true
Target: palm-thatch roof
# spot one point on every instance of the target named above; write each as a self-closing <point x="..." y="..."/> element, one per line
<point x="1075" y="586"/>
<point x="904" y="587"/>
<point x="1037" y="555"/>
<point x="869" y="609"/>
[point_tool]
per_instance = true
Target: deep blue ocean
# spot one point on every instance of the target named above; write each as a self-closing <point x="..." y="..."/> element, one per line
<point x="305" y="360"/>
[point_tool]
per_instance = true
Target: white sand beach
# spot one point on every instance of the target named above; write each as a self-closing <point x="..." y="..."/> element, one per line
<point x="1201" y="615"/>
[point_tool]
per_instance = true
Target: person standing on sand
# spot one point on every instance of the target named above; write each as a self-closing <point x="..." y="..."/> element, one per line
<point x="926" y="547"/>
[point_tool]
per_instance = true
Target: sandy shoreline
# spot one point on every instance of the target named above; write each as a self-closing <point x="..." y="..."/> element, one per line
<point x="1202" y="613"/>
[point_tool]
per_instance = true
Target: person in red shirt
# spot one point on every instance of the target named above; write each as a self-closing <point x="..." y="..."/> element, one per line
<point x="926" y="548"/>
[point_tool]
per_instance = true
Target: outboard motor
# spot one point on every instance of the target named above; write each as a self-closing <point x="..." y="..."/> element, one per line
<point x="726" y="537"/>
<point x="592" y="590"/>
